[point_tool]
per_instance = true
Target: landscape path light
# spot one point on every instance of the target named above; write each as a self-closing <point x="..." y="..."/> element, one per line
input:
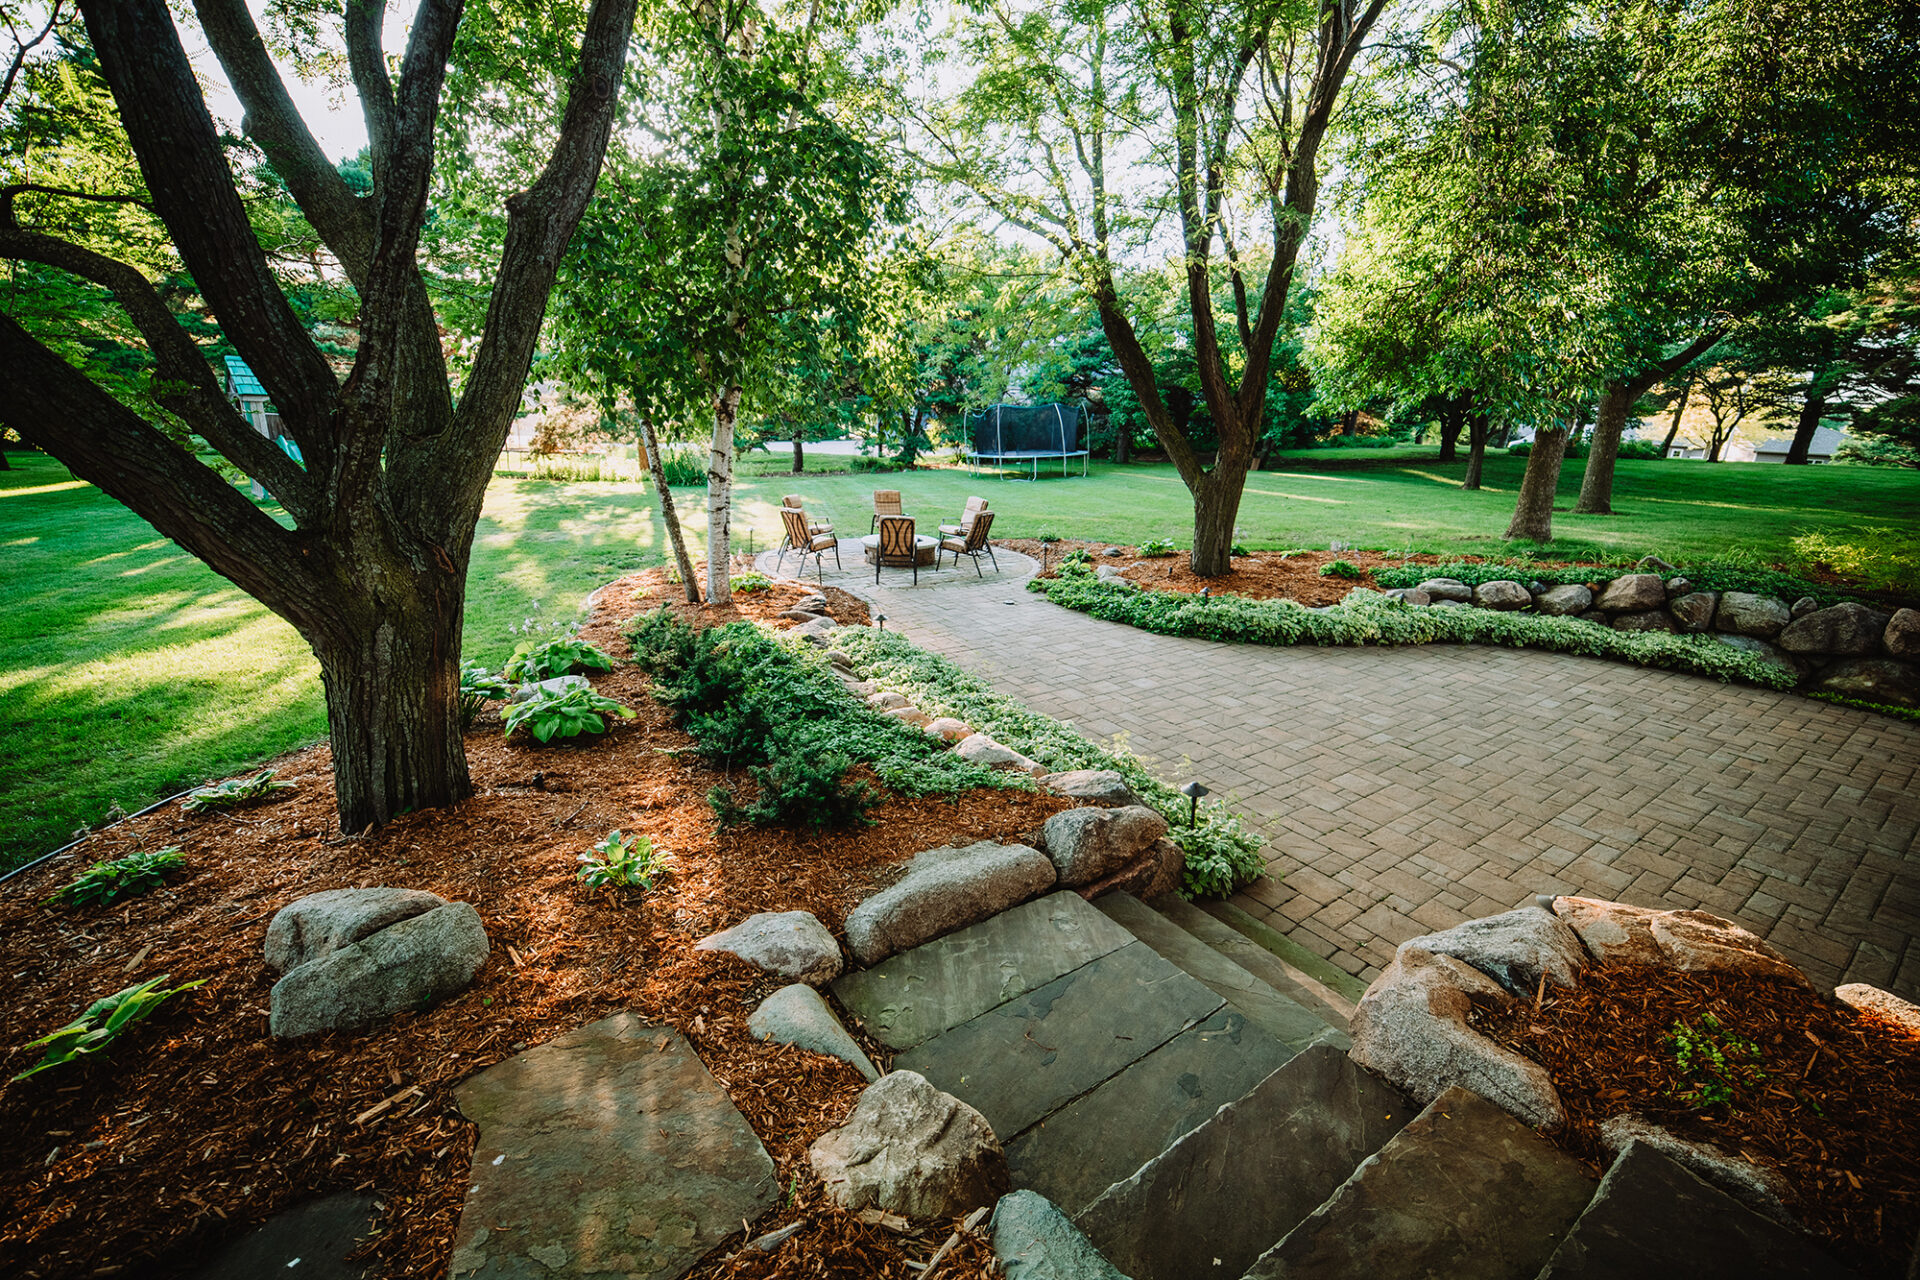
<point x="1193" y="791"/>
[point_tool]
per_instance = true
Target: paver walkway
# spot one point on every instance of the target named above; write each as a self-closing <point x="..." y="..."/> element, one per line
<point x="1407" y="790"/>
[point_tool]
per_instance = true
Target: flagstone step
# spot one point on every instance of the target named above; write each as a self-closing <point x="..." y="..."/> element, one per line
<point x="1325" y="1003"/>
<point x="1336" y="980"/>
<point x="1021" y="1061"/>
<point x="1285" y="1020"/>
<point x="1106" y="1135"/>
<point x="1222" y="1194"/>
<point x="1652" y="1216"/>
<point x="1463" y="1190"/>
<point x="913" y="996"/>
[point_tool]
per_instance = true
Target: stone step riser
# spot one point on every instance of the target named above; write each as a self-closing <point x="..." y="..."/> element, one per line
<point x="1327" y="1005"/>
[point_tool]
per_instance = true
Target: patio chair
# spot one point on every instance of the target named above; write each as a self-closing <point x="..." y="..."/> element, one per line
<point x="974" y="507"/>
<point x="972" y="545"/>
<point x="896" y="549"/>
<point x="886" y="502"/>
<point x="793" y="500"/>
<point x="800" y="538"/>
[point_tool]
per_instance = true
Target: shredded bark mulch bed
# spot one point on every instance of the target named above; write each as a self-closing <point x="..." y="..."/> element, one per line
<point x="1263" y="575"/>
<point x="1829" y="1100"/>
<point x="197" y="1124"/>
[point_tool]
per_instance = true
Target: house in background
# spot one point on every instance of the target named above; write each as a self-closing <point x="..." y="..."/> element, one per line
<point x="1735" y="450"/>
<point x="1825" y="441"/>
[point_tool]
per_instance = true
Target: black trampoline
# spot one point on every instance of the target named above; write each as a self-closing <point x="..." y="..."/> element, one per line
<point x="1026" y="434"/>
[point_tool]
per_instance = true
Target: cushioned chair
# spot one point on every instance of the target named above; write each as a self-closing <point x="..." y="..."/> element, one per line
<point x="886" y="502"/>
<point x="896" y="550"/>
<point x="793" y="500"/>
<point x="973" y="544"/>
<point x="800" y="538"/>
<point x="974" y="507"/>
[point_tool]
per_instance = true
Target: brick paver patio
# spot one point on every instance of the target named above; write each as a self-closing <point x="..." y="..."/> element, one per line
<point x="1407" y="790"/>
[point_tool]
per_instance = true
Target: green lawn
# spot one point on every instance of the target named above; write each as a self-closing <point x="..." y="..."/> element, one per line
<point x="128" y="670"/>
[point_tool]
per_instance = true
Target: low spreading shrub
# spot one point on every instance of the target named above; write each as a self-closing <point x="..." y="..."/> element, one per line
<point x="1642" y="450"/>
<point x="683" y="468"/>
<point x="1368" y="618"/>
<point x="127" y="877"/>
<point x="1880" y="556"/>
<point x="1222" y="854"/>
<point x="867" y="463"/>
<point x="1876" y="451"/>
<point x="805" y="786"/>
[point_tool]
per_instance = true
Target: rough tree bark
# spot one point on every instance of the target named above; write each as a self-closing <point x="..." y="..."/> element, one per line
<point x="1533" y="513"/>
<point x="799" y="454"/>
<point x="373" y="572"/>
<point x="1477" y="429"/>
<point x="1812" y="409"/>
<point x="1452" y="421"/>
<point x="1616" y="402"/>
<point x="650" y="442"/>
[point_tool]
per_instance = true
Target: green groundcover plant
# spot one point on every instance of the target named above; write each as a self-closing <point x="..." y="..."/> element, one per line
<point x="561" y="655"/>
<point x="562" y="715"/>
<point x="127" y="877"/>
<point x="234" y="793"/>
<point x="620" y="862"/>
<point x="1221" y="853"/>
<point x="1369" y="618"/>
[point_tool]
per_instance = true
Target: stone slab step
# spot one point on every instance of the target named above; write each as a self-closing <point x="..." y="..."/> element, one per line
<point x="916" y="995"/>
<point x="1025" y="1059"/>
<point x="1220" y="1196"/>
<point x="1287" y="1021"/>
<point x="1078" y="1151"/>
<point x="315" y="1238"/>
<point x="1216" y="1199"/>
<point x="1651" y="1216"/>
<point x="1463" y="1190"/>
<point x="608" y="1151"/>
<point x="1328" y="1005"/>
<point x="1336" y="980"/>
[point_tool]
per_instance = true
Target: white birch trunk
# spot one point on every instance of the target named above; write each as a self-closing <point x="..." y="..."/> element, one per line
<point x="726" y="407"/>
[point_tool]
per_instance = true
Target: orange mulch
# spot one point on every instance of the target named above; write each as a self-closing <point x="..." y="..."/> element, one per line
<point x="198" y="1123"/>
<point x="1832" y="1105"/>
<point x="1263" y="575"/>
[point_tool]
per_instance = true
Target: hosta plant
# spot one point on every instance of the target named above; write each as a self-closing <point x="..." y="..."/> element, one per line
<point x="127" y="877"/>
<point x="1157" y="547"/>
<point x="562" y="715"/>
<point x="478" y="687"/>
<point x="561" y="655"/>
<point x="620" y="862"/>
<point x="234" y="792"/>
<point x="102" y="1023"/>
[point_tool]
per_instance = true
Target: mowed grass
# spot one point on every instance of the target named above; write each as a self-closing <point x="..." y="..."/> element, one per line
<point x="128" y="670"/>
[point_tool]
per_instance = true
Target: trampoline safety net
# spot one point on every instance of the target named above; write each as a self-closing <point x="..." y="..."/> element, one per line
<point x="1025" y="430"/>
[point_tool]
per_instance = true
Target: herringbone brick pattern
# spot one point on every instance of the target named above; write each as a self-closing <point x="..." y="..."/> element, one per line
<point x="1406" y="790"/>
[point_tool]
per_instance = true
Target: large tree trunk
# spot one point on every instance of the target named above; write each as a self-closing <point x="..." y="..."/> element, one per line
<point x="1812" y="409"/>
<point x="1596" y="485"/>
<point x="650" y="442"/>
<point x="1451" y="422"/>
<point x="1477" y="427"/>
<point x="4" y="464"/>
<point x="1122" y="442"/>
<point x="799" y="453"/>
<point x="726" y="410"/>
<point x="1215" y="506"/>
<point x="390" y="664"/>
<point x="1533" y="513"/>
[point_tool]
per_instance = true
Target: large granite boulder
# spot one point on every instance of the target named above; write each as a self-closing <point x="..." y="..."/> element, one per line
<point x="948" y="729"/>
<point x="886" y="700"/>
<point x="796" y="1015"/>
<point x="1612" y="932"/>
<point x="1759" y="1188"/>
<point x="1651" y="620"/>
<point x="1033" y="1240"/>
<point x="322" y="923"/>
<point x="1451" y="589"/>
<point x="1848" y="629"/>
<point x="910" y="1149"/>
<point x="1105" y="786"/>
<point x="1514" y="948"/>
<point x="1634" y="593"/>
<point x="1691" y="941"/>
<point x="1563" y="601"/>
<point x="980" y="749"/>
<point x="1694" y="611"/>
<point x="1902" y="636"/>
<point x="1411" y="1029"/>
<point x="1881" y="1004"/>
<point x="610" y="1151"/>
<point x="1742" y="613"/>
<point x="408" y="965"/>
<point x="817" y="632"/>
<point x="788" y="944"/>
<point x="909" y="715"/>
<point x="1874" y="680"/>
<point x="1087" y="844"/>
<point x="943" y="890"/>
<point x="1767" y="653"/>
<point x="1159" y="870"/>
<point x="1501" y="594"/>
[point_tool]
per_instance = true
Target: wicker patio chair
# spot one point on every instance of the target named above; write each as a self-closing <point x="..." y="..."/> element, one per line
<point x="807" y="543"/>
<point x="972" y="545"/>
<point x="974" y="507"/>
<point x="793" y="500"/>
<point x="886" y="502"/>
<point x="896" y="549"/>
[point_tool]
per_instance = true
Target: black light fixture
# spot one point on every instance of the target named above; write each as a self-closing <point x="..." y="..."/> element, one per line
<point x="881" y="618"/>
<point x="1193" y="791"/>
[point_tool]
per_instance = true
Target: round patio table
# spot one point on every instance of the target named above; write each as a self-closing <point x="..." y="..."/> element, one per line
<point x="924" y="548"/>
